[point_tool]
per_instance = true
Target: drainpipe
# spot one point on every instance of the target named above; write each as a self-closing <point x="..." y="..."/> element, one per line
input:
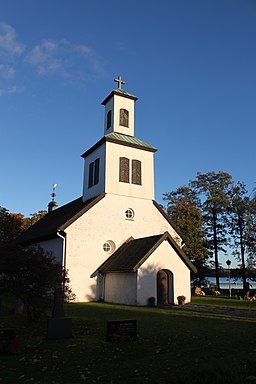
<point x="62" y="235"/>
<point x="103" y="286"/>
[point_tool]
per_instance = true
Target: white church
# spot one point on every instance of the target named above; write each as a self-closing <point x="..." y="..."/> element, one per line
<point x="116" y="242"/>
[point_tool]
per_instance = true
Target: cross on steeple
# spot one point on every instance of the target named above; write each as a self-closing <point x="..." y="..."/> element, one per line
<point x="120" y="81"/>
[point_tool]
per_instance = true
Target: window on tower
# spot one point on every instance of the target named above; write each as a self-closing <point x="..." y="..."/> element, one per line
<point x="109" y="115"/>
<point x="94" y="171"/>
<point x="124" y="117"/>
<point x="129" y="170"/>
<point x="124" y="170"/>
<point x="136" y="172"/>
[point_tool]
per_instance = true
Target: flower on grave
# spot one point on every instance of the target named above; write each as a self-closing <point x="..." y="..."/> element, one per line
<point x="181" y="298"/>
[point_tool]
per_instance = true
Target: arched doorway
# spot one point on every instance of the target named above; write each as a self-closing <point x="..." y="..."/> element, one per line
<point x="164" y="287"/>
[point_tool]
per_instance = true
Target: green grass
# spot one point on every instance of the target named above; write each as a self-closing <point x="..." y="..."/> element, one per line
<point x="174" y="346"/>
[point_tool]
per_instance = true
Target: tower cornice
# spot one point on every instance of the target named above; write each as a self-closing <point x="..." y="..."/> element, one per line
<point x="119" y="92"/>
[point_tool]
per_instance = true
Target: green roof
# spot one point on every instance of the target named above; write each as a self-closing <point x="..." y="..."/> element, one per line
<point x="129" y="140"/>
<point x="133" y="253"/>
<point x="119" y="138"/>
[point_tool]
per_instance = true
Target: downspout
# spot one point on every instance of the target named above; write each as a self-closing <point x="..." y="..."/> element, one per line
<point x="63" y="258"/>
<point x="102" y="296"/>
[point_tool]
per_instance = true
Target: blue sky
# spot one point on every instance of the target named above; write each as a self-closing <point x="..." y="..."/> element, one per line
<point x="192" y="63"/>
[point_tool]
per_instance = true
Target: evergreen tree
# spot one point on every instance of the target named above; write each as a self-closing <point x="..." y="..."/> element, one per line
<point x="240" y="225"/>
<point x="214" y="190"/>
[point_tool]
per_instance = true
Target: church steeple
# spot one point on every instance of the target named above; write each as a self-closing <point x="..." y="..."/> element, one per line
<point x="119" y="110"/>
<point x="119" y="163"/>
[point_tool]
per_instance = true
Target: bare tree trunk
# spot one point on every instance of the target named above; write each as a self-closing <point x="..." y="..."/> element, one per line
<point x="242" y="255"/>
<point x="215" y="241"/>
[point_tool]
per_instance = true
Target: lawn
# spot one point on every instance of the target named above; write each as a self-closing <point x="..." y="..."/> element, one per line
<point x="173" y="346"/>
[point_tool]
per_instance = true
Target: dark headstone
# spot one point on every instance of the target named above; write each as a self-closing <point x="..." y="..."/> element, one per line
<point x="59" y="328"/>
<point x="121" y="330"/>
<point x="58" y="306"/>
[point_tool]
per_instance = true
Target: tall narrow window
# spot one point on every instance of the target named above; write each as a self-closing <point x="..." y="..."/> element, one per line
<point x="90" y="181"/>
<point x="124" y="117"/>
<point x="124" y="170"/>
<point x="94" y="171"/>
<point x="108" y="119"/>
<point x="136" y="172"/>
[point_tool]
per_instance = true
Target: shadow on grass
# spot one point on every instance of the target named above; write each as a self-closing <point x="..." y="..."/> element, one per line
<point x="171" y="348"/>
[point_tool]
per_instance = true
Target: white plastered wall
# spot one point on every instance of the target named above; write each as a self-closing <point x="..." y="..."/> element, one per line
<point x="120" y="288"/>
<point x="113" y="154"/>
<point x="106" y="221"/>
<point x="97" y="189"/>
<point x="164" y="257"/>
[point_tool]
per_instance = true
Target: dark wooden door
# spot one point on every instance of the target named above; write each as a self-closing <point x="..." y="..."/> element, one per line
<point x="162" y="287"/>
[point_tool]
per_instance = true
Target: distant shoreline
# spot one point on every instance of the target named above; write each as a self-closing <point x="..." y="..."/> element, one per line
<point x="235" y="282"/>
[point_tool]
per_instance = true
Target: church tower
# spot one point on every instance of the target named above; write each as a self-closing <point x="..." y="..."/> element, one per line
<point x="119" y="111"/>
<point x="119" y="163"/>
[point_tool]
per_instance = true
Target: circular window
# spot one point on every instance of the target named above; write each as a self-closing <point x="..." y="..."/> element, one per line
<point x="106" y="247"/>
<point x="129" y="213"/>
<point x="109" y="246"/>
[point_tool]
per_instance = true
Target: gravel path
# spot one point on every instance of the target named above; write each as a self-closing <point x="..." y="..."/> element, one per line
<point x="216" y="310"/>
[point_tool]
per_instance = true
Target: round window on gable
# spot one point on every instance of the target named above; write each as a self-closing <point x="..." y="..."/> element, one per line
<point x="129" y="214"/>
<point x="106" y="247"/>
<point x="109" y="246"/>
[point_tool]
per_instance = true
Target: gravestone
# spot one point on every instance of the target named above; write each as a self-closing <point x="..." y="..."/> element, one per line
<point x="59" y="326"/>
<point x="58" y="305"/>
<point x="121" y="330"/>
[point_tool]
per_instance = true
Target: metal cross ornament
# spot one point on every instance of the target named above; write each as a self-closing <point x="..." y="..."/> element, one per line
<point x="120" y="81"/>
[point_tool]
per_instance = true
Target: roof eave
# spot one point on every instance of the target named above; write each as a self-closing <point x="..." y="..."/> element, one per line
<point x="81" y="211"/>
<point x="144" y="258"/>
<point x="94" y="147"/>
<point x="181" y="253"/>
<point x="116" y="92"/>
<point x="167" y="218"/>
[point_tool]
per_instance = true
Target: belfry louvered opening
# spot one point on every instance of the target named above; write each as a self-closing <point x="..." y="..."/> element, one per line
<point x="136" y="172"/>
<point x="124" y="117"/>
<point x="129" y="171"/>
<point x="124" y="170"/>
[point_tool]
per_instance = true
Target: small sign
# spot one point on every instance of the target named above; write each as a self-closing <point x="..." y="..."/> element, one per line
<point x="121" y="330"/>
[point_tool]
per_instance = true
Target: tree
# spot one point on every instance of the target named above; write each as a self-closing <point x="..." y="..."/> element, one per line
<point x="183" y="209"/>
<point x="31" y="275"/>
<point x="251" y="234"/>
<point x="13" y="224"/>
<point x="34" y="217"/>
<point x="240" y="224"/>
<point x="214" y="190"/>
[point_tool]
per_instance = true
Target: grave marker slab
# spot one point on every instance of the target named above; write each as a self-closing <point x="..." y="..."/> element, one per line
<point x="121" y="330"/>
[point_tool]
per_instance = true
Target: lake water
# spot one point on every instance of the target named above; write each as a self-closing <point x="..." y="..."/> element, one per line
<point x="234" y="283"/>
